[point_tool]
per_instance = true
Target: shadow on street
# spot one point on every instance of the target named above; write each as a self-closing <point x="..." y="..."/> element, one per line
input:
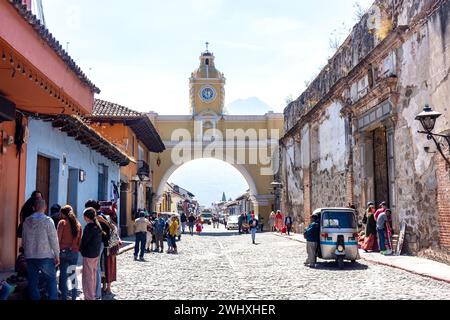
<point x="332" y="266"/>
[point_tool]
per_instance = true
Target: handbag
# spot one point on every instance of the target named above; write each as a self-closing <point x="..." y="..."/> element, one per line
<point x="112" y="251"/>
<point x="114" y="239"/>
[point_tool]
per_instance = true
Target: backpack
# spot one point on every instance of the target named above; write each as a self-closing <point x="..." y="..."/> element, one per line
<point x="159" y="225"/>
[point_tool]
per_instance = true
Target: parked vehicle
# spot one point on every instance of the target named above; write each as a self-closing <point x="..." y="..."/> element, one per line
<point x="338" y="235"/>
<point x="232" y="223"/>
<point x="206" y="217"/>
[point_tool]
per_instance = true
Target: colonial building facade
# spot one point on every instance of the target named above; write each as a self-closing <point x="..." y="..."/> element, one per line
<point x="135" y="135"/>
<point x="352" y="137"/>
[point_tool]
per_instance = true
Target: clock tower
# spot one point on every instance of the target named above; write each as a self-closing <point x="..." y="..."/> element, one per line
<point x="207" y="87"/>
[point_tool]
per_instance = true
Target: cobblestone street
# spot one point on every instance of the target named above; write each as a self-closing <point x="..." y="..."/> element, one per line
<point x="225" y="265"/>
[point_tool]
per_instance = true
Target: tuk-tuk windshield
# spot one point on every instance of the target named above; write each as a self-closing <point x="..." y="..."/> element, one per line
<point x="338" y="219"/>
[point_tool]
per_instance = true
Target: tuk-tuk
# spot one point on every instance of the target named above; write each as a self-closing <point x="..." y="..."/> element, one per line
<point x="338" y="235"/>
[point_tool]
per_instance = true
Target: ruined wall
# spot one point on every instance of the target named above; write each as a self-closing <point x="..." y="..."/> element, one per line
<point x="423" y="79"/>
<point x="292" y="179"/>
<point x="328" y="151"/>
<point x="398" y="52"/>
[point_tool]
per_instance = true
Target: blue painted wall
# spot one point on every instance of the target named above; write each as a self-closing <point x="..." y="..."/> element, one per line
<point x="52" y="143"/>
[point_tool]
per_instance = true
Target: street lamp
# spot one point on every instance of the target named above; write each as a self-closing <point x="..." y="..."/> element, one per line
<point x="277" y="186"/>
<point x="428" y="119"/>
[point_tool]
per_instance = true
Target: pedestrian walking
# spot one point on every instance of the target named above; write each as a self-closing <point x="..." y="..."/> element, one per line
<point x="172" y="234"/>
<point x="215" y="221"/>
<point x="140" y="231"/>
<point x="288" y="223"/>
<point x="150" y="237"/>
<point x="27" y="210"/>
<point x="40" y="242"/>
<point x="241" y="221"/>
<point x="253" y="223"/>
<point x="191" y="222"/>
<point x="278" y="221"/>
<point x="159" y="229"/>
<point x="183" y="220"/>
<point x="261" y="224"/>
<point x="90" y="249"/>
<point x="272" y="221"/>
<point x="69" y="236"/>
<point x="312" y="236"/>
<point x="370" y="237"/>
<point x="199" y="225"/>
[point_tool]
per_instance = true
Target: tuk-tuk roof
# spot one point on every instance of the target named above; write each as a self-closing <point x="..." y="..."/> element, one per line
<point x="333" y="209"/>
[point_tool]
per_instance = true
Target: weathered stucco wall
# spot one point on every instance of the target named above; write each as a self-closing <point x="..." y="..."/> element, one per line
<point x="395" y="61"/>
<point x="423" y="79"/>
<point x="292" y="178"/>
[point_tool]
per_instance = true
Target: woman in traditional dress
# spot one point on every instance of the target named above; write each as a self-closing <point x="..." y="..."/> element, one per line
<point x="370" y="239"/>
<point x="272" y="221"/>
<point x="110" y="253"/>
<point x="278" y="221"/>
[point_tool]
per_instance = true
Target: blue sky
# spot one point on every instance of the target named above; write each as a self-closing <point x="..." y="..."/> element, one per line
<point x="141" y="53"/>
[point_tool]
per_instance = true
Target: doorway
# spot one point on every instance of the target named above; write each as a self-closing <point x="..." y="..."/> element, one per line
<point x="380" y="165"/>
<point x="124" y="186"/>
<point x="72" y="189"/>
<point x="43" y="177"/>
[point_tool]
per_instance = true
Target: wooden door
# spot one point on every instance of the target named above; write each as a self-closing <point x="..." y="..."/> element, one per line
<point x="381" y="178"/>
<point x="43" y="177"/>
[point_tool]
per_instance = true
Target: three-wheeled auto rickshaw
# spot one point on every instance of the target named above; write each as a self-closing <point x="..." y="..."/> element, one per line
<point x="338" y="235"/>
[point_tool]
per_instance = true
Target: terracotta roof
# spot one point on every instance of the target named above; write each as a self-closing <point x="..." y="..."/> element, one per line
<point x="76" y="128"/>
<point x="109" y="109"/>
<point x="105" y="111"/>
<point x="45" y="34"/>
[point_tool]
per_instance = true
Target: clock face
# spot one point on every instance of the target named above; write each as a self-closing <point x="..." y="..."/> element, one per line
<point x="208" y="94"/>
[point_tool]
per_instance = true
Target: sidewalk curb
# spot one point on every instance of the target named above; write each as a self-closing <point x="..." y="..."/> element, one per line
<point x="380" y="263"/>
<point x="126" y="248"/>
<point x="408" y="270"/>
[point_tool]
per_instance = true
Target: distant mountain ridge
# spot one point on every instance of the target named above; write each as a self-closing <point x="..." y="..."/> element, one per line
<point x="249" y="106"/>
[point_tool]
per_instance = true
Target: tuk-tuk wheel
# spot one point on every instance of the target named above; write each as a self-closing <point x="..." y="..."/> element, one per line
<point x="340" y="262"/>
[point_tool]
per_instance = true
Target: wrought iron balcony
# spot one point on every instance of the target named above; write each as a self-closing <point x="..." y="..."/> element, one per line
<point x="143" y="169"/>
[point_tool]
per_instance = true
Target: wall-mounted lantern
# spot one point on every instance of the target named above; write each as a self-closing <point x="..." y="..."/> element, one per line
<point x="428" y="119"/>
<point x="82" y="176"/>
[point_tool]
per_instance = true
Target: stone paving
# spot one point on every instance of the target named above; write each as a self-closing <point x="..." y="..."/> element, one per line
<point x="225" y="265"/>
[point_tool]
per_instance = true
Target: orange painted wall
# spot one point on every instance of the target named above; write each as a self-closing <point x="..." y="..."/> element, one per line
<point x="20" y="35"/>
<point x="117" y="133"/>
<point x="12" y="192"/>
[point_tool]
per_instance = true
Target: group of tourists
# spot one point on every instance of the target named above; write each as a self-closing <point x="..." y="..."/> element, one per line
<point x="378" y="231"/>
<point x="150" y="231"/>
<point x="279" y="223"/>
<point x="55" y="242"/>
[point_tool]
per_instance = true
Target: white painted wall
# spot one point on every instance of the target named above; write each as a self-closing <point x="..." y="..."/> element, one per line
<point x="332" y="139"/>
<point x="52" y="143"/>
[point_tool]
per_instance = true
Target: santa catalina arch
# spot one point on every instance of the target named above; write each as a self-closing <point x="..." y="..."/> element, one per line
<point x="247" y="142"/>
